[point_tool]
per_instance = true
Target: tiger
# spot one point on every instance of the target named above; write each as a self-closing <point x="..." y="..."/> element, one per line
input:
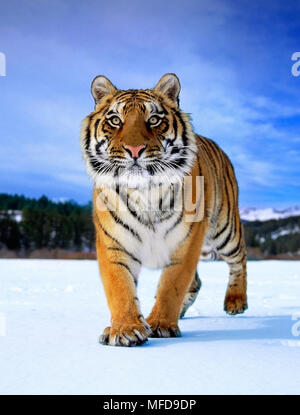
<point x="138" y="142"/>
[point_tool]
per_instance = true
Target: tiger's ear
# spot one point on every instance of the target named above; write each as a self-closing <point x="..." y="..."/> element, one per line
<point x="170" y="86"/>
<point x="101" y="86"/>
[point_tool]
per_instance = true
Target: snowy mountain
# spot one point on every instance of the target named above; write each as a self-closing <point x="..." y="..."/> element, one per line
<point x="252" y="214"/>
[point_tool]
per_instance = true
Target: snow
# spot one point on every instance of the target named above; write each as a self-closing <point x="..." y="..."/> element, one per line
<point x="51" y="313"/>
<point x="252" y="214"/>
<point x="14" y="214"/>
<point x="283" y="232"/>
<point x="248" y="214"/>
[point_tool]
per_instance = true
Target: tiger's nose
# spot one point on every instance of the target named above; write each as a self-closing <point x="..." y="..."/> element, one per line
<point x="135" y="152"/>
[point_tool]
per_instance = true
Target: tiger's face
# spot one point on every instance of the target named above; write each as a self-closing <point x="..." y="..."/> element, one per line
<point x="137" y="137"/>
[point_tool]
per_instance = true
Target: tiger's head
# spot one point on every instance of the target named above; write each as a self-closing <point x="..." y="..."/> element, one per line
<point x="137" y="137"/>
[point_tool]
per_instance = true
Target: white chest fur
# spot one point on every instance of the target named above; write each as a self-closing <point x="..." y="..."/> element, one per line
<point x="159" y="244"/>
<point x="150" y="232"/>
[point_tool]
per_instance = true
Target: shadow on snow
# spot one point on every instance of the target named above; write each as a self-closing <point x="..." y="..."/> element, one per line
<point x="268" y="328"/>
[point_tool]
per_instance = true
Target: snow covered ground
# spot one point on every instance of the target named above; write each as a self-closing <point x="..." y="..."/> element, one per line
<point x="51" y="313"/>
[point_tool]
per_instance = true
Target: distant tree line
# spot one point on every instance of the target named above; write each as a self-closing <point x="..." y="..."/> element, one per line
<point x="43" y="223"/>
<point x="274" y="237"/>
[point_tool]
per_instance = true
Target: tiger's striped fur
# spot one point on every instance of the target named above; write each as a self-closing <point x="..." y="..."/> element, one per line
<point x="138" y="142"/>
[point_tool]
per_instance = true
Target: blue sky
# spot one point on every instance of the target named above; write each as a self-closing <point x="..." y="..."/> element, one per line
<point x="233" y="59"/>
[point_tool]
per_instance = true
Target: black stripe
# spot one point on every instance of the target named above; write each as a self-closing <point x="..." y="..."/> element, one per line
<point x="88" y="131"/>
<point x="180" y="161"/>
<point x="239" y="261"/>
<point x="112" y="248"/>
<point x="107" y="233"/>
<point x="222" y="230"/>
<point x="96" y="127"/>
<point x="111" y="112"/>
<point x="204" y="146"/>
<point x="225" y="242"/>
<point x="128" y="228"/>
<point x="98" y="145"/>
<point x="208" y="152"/>
<point x="125" y="266"/>
<point x="178" y="220"/>
<point x="184" y="136"/>
<point x="175" y="150"/>
<point x="96" y="164"/>
<point x="132" y="93"/>
<point x="117" y="169"/>
<point x="163" y="108"/>
<point x="121" y="93"/>
<point x="173" y="196"/>
<point x="88" y="134"/>
<point x="166" y="127"/>
<point x="160" y="197"/>
<point x="233" y="184"/>
<point x="227" y="216"/>
<point x="126" y="200"/>
<point x="232" y="188"/>
<point x="214" y="153"/>
<point x="199" y="167"/>
<point x="215" y="150"/>
<point x="235" y="251"/>
<point x="175" y="126"/>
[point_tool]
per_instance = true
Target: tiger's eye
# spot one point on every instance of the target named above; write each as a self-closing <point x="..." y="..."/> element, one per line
<point x="153" y="120"/>
<point x="115" y="120"/>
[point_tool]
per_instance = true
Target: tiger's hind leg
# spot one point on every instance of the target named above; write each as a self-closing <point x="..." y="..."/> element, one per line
<point x="234" y="253"/>
<point x="191" y="294"/>
<point x="236" y="296"/>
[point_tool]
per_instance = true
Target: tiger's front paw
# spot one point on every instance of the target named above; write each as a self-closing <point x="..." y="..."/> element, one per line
<point x="125" y="335"/>
<point x="163" y="328"/>
<point x="235" y="303"/>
